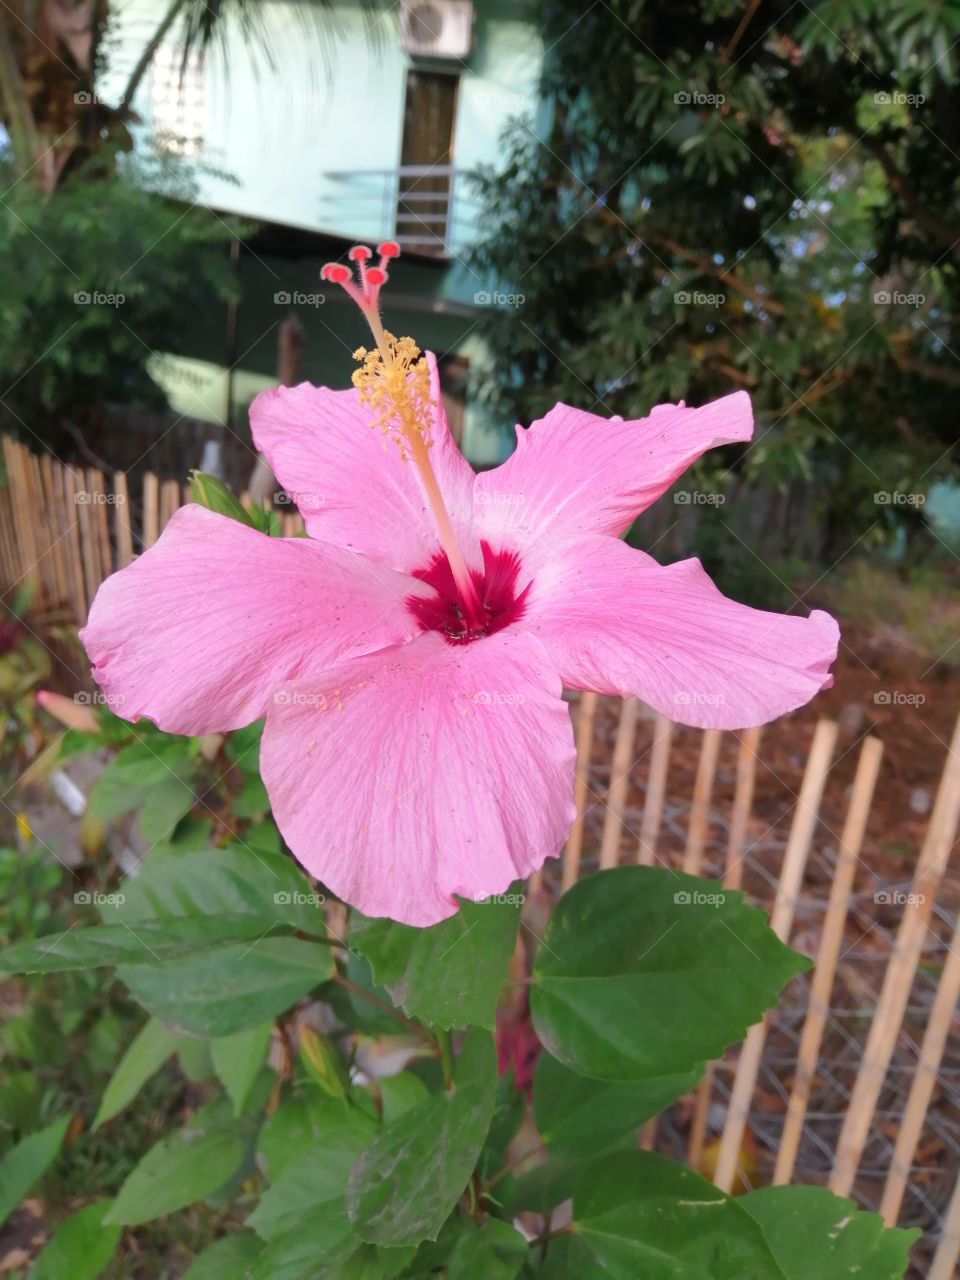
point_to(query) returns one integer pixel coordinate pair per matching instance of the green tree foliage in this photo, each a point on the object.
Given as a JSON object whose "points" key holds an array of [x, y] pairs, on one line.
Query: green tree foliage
{"points": [[740, 196], [96, 279]]}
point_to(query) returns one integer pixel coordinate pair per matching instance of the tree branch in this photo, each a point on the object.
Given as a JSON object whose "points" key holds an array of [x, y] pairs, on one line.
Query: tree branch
{"points": [[930, 223]]}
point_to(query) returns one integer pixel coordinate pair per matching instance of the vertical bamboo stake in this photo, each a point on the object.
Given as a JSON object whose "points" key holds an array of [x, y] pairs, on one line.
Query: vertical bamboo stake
{"points": [[656, 789], [700, 810], [781, 922], [6, 537], [42, 519], [101, 527], [89, 551], [151, 509], [585, 718], [851, 841], [619, 782], [935, 1036], [732, 879], [899, 976], [56, 524], [747, 756], [74, 546], [169, 501], [948, 1250], [25, 515], [123, 525]]}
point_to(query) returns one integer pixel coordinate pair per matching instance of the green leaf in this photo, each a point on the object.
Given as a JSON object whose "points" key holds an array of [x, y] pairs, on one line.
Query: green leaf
{"points": [[815, 1235], [294, 1256], [645, 973], [148, 942], [149, 1051], [195, 1058], [177, 1171], [308, 1191], [449, 975], [27, 1162], [369, 1263], [228, 1259], [541, 1187], [251, 801], [495, 1251], [401, 1093], [583, 1117], [236, 987], [80, 1247], [407, 1182], [294, 1127], [238, 1059], [263, 886], [209, 492], [637, 1214], [159, 772]]}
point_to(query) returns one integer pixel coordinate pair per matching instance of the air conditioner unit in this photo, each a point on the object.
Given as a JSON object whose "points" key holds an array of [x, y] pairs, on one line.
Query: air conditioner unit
{"points": [[436, 28]]}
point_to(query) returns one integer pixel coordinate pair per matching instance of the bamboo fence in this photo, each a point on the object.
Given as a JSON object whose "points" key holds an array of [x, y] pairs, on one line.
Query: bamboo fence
{"points": [[860, 1103]]}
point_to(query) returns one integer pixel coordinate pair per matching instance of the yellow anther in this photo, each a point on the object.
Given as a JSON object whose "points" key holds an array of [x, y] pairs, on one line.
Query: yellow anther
{"points": [[394, 383]]}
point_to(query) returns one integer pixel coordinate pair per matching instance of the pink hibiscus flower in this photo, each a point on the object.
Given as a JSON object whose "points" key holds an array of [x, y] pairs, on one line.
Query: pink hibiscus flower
{"points": [[409, 655]]}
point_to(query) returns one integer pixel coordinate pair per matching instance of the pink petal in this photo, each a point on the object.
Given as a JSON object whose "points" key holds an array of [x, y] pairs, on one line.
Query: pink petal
{"points": [[350, 483], [406, 777], [198, 632], [574, 472], [614, 621]]}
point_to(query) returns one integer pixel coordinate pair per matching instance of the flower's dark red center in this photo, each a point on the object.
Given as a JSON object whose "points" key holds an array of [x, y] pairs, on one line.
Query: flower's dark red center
{"points": [[500, 599]]}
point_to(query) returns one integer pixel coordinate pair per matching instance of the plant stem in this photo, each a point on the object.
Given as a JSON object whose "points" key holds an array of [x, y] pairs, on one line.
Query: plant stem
{"points": [[442, 1038], [355, 989]]}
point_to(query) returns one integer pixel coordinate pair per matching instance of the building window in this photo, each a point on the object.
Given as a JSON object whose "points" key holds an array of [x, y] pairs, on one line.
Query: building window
{"points": [[426, 160], [177, 98]]}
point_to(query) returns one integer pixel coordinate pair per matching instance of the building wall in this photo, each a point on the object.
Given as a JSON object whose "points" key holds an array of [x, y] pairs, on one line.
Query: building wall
{"points": [[328, 97], [332, 102]]}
